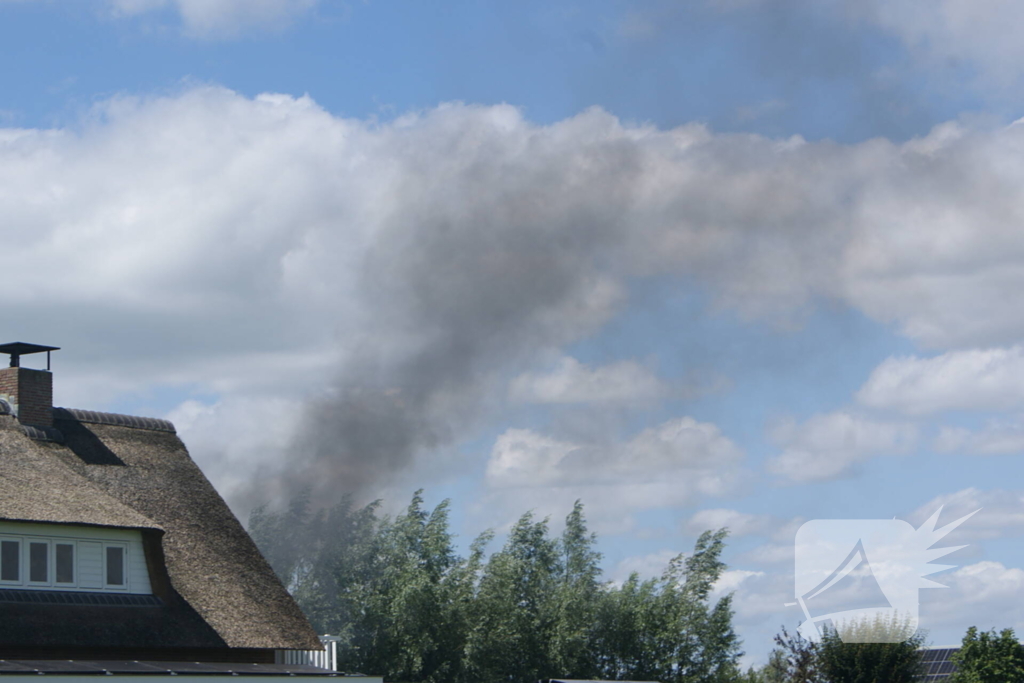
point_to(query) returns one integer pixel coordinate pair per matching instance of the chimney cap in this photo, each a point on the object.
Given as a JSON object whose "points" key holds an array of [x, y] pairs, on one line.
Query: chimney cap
{"points": [[17, 349], [22, 348]]}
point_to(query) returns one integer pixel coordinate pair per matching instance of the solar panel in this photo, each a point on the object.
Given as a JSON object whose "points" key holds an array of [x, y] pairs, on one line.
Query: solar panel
{"points": [[937, 664]]}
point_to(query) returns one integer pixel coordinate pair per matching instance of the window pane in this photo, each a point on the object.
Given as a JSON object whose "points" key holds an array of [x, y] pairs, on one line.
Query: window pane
{"points": [[65, 562], [10, 561], [115, 565], [38, 562]]}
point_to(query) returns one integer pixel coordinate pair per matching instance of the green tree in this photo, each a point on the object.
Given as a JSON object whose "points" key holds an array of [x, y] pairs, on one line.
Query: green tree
{"points": [[343, 562], [409, 608], [987, 657], [513, 614], [284, 538], [666, 629], [577, 597], [625, 641], [794, 660], [772, 672], [405, 628], [866, 662]]}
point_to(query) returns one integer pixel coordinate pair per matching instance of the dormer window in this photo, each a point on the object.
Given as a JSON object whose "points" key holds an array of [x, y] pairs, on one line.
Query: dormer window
{"points": [[69, 558]]}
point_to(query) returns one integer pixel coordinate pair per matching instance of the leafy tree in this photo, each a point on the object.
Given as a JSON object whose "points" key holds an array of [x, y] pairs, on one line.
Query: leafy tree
{"points": [[343, 561], [577, 599], [772, 672], [664, 629], [283, 538], [986, 657], [831, 660], [864, 662], [410, 592], [625, 639], [514, 615], [408, 607], [794, 660]]}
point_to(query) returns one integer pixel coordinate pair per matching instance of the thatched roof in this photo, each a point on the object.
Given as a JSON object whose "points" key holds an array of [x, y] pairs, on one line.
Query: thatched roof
{"points": [[220, 591]]}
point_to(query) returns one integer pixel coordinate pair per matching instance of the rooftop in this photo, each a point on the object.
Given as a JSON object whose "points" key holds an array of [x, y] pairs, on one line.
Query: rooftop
{"points": [[108, 470]]}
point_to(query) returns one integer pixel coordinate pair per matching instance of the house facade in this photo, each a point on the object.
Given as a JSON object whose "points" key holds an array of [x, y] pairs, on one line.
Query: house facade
{"points": [[115, 548]]}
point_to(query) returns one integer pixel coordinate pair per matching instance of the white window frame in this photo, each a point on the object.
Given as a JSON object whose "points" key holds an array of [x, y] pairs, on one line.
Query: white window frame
{"points": [[27, 562], [21, 561], [89, 548], [74, 563], [124, 566]]}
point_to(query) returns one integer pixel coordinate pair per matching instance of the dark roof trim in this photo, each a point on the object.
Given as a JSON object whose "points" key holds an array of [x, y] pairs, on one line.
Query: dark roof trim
{"points": [[115, 419], [65, 667], [37, 597]]}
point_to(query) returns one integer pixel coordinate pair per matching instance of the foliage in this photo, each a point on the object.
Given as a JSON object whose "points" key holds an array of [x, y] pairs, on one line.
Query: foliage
{"points": [[772, 672], [408, 607], [989, 658], [794, 660], [664, 629], [861, 662], [831, 660]]}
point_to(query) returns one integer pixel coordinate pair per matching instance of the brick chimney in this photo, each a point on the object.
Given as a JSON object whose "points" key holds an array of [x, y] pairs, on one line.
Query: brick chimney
{"points": [[29, 392]]}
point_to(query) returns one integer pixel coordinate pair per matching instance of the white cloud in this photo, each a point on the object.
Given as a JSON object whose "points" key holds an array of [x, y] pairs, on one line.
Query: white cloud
{"points": [[999, 513], [780, 549], [649, 566], [239, 438], [695, 454], [982, 32], [219, 18], [205, 239], [979, 37], [828, 446], [976, 379], [918, 258], [575, 382], [996, 437], [731, 580], [678, 462], [771, 554], [986, 594], [522, 457], [988, 581], [738, 523]]}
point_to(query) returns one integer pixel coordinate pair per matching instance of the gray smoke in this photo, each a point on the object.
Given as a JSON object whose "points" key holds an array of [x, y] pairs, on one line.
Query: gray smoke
{"points": [[240, 246], [492, 253], [501, 240]]}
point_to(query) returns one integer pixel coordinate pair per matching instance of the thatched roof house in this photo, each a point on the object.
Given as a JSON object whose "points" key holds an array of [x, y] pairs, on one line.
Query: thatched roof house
{"points": [[114, 546]]}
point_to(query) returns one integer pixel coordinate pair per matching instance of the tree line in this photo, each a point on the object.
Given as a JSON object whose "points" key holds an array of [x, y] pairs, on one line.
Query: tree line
{"points": [[983, 657], [407, 606]]}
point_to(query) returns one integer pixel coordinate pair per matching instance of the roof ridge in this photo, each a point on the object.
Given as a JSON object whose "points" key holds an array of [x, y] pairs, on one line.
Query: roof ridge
{"points": [[116, 419], [43, 433]]}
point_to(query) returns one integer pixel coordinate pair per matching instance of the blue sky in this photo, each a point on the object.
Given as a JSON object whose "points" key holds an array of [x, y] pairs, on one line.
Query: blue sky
{"points": [[721, 262]]}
